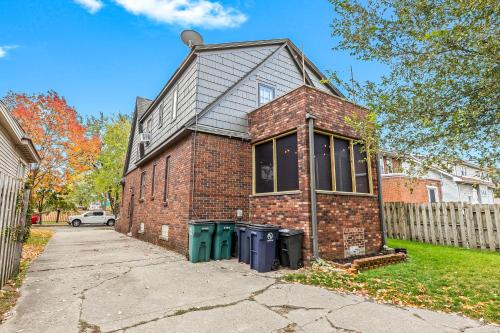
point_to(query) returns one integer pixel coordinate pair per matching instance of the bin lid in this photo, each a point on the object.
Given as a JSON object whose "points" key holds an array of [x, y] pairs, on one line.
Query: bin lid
{"points": [[269, 227], [290, 232], [222, 221], [201, 222]]}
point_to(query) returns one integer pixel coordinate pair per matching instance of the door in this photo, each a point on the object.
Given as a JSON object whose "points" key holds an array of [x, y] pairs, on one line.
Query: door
{"points": [[98, 218], [130, 211]]}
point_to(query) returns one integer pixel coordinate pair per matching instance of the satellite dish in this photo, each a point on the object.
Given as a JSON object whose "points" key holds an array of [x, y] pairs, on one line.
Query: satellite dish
{"points": [[191, 38]]}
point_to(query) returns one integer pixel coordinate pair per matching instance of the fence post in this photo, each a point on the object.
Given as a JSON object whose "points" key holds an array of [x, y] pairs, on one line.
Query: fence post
{"points": [[480, 229], [388, 220], [22, 224], [454, 227], [3, 208], [418, 224], [471, 228], [496, 216], [489, 227], [424, 221], [432, 226], [412, 221], [438, 222]]}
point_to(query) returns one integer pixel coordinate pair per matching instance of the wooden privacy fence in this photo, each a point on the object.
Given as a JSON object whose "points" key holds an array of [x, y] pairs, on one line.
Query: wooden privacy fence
{"points": [[473, 226], [54, 217], [13, 209]]}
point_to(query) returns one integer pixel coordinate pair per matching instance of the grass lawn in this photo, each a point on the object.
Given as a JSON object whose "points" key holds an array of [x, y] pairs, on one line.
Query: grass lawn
{"points": [[434, 277], [31, 249]]}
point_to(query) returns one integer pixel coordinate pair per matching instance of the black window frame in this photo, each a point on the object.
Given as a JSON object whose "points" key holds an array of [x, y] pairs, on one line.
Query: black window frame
{"points": [[274, 164], [142, 185], [166, 179], [153, 180]]}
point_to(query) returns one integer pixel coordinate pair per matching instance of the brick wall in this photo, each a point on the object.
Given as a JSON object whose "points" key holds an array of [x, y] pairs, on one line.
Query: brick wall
{"points": [[337, 213], [152, 211], [223, 177], [222, 171], [404, 189]]}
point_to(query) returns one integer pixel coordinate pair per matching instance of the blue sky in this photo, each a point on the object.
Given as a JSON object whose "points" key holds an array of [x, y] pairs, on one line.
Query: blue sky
{"points": [[101, 54]]}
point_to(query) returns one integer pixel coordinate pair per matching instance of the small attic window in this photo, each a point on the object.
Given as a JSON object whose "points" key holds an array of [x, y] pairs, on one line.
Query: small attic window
{"points": [[174, 106], [266, 94]]}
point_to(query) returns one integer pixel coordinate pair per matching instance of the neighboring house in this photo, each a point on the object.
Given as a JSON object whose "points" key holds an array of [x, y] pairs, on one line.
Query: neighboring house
{"points": [[466, 183], [17, 152], [227, 138], [16, 149]]}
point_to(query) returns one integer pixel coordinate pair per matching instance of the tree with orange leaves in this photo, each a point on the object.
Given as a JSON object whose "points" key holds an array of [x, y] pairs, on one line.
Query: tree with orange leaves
{"points": [[64, 146]]}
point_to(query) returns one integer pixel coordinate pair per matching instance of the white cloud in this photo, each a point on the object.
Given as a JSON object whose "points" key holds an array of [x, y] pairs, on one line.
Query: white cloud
{"points": [[4, 49], [201, 13], [93, 6]]}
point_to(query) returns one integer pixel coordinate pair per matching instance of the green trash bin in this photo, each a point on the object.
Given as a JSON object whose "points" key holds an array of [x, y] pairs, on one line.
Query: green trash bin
{"points": [[200, 240], [223, 238]]}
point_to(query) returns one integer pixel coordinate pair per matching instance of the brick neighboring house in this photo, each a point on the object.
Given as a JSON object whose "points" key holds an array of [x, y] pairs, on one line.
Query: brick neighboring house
{"points": [[227, 138], [465, 182]]}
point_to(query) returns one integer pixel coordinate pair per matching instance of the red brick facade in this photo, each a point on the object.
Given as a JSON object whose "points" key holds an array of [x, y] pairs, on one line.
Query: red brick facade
{"points": [[222, 171], [401, 188], [338, 213]]}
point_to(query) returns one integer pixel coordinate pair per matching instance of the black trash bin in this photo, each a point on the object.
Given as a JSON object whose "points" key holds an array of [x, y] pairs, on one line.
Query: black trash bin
{"points": [[263, 242], [242, 243], [290, 248]]}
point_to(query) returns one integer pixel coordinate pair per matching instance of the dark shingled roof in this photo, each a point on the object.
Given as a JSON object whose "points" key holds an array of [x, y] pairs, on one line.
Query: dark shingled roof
{"points": [[141, 105]]}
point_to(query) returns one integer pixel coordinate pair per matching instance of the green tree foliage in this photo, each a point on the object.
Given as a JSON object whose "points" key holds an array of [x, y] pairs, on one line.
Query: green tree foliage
{"points": [[440, 96], [110, 162]]}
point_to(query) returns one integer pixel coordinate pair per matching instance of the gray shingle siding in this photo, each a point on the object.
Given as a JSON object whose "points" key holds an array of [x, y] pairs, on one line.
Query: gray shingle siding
{"points": [[9, 157], [219, 70], [230, 114], [141, 106], [186, 104], [221, 87]]}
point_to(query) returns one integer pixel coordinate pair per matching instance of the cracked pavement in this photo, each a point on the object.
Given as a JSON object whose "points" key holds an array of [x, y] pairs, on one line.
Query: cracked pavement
{"points": [[97, 280]]}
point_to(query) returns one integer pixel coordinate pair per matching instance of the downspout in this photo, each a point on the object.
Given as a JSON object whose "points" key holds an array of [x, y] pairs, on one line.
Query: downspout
{"points": [[312, 180], [380, 202]]}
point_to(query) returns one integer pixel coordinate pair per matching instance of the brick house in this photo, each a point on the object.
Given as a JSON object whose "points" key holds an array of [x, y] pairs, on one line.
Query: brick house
{"points": [[403, 181], [228, 138]]}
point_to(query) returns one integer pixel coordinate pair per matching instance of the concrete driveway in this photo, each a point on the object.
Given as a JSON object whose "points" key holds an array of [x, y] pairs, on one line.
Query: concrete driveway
{"points": [[97, 280]]}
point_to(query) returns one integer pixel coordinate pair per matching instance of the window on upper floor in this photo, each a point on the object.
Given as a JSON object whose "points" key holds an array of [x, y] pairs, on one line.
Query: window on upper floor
{"points": [[432, 194], [174, 105], [276, 165], [149, 129], [462, 171], [266, 93], [390, 165], [160, 115], [341, 164]]}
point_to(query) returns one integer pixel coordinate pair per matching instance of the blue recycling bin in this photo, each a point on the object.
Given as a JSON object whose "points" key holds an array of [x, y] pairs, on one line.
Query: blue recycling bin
{"points": [[263, 240], [243, 244]]}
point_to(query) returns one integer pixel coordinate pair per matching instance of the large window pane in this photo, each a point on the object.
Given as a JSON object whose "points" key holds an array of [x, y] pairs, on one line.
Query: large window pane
{"points": [[287, 170], [361, 170], [323, 162], [264, 179], [343, 180]]}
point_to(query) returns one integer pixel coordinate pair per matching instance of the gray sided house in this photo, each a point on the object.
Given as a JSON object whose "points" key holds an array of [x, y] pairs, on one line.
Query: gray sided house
{"points": [[17, 152]]}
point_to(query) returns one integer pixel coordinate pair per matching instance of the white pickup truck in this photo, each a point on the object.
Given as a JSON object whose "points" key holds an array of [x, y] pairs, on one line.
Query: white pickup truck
{"points": [[92, 217]]}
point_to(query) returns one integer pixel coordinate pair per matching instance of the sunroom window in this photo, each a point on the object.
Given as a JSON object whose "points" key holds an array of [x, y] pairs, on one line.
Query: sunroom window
{"points": [[345, 159], [276, 165]]}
